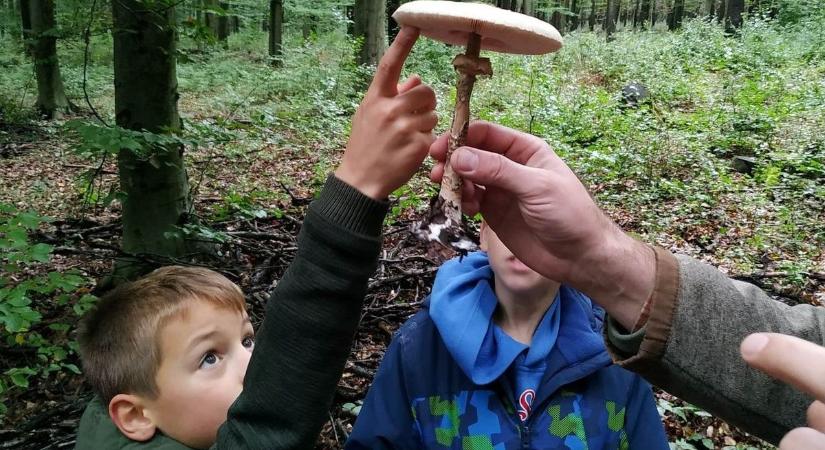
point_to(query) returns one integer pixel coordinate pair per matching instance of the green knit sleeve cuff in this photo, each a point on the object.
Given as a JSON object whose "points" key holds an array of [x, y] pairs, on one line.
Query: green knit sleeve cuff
{"points": [[627, 344], [346, 206]]}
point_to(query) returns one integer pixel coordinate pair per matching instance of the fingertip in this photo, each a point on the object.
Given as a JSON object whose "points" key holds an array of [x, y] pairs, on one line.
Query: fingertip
{"points": [[438, 149], [816, 416], [802, 438], [464, 160], [753, 345], [437, 172], [407, 33]]}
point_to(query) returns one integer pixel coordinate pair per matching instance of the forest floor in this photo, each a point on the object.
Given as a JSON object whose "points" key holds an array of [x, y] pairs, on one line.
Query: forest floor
{"points": [[266, 140]]}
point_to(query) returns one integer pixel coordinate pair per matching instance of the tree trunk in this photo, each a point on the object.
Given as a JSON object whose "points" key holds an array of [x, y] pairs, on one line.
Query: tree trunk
{"points": [[555, 19], [610, 18], [529, 7], [720, 11], [644, 13], [675, 18], [308, 26], [224, 24], [574, 20], [564, 4], [626, 16], [392, 26], [591, 21], [708, 8], [276, 31], [156, 187], [733, 15], [654, 16], [370, 16], [211, 19], [636, 14], [26, 26], [42, 35]]}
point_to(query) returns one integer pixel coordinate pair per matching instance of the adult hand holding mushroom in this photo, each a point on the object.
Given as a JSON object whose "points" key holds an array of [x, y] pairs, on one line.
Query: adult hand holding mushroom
{"points": [[546, 217], [479, 27]]}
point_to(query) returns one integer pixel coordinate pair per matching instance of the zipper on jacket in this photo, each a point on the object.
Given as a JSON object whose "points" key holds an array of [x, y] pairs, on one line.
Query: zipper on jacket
{"points": [[522, 427], [525, 436]]}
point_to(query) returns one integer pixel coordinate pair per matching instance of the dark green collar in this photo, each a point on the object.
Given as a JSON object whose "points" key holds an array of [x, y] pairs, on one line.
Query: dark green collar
{"points": [[97, 432]]}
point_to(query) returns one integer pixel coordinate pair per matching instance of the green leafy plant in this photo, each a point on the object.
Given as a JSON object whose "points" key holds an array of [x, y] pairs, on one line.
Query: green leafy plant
{"points": [[22, 281]]}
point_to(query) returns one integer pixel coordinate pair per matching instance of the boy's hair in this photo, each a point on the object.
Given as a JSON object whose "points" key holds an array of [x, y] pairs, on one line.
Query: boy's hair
{"points": [[119, 339]]}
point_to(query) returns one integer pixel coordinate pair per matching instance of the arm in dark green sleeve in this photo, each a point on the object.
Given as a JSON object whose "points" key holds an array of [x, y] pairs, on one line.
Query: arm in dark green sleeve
{"points": [[310, 323]]}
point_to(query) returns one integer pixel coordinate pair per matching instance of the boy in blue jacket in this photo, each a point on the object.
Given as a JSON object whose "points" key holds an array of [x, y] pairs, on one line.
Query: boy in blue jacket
{"points": [[503, 358]]}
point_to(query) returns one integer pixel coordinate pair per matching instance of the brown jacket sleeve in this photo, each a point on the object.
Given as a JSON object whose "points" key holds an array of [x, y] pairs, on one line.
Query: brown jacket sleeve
{"points": [[690, 345]]}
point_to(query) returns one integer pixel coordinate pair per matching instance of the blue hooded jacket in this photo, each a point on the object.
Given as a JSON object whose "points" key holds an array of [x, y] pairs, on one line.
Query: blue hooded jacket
{"points": [[450, 378]]}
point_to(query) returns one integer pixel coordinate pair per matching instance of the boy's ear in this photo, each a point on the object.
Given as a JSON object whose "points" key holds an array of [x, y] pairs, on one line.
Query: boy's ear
{"points": [[129, 416]]}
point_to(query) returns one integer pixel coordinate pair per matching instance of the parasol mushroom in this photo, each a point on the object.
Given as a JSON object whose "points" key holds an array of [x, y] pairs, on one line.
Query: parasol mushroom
{"points": [[479, 27]]}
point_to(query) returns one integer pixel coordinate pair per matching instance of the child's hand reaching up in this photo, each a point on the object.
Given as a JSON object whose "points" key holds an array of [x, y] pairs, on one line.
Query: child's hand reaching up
{"points": [[392, 128]]}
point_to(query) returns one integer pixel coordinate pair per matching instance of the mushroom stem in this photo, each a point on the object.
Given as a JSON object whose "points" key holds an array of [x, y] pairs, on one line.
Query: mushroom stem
{"points": [[451, 182], [444, 222]]}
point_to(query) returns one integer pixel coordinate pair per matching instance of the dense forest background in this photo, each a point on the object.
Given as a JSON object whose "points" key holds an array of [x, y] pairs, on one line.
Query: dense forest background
{"points": [[697, 124]]}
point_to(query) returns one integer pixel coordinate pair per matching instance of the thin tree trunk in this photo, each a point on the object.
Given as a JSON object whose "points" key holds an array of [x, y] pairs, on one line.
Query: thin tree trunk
{"points": [[529, 7], [51, 96], [675, 18], [211, 17], [708, 8], [574, 20], [224, 24], [610, 19], [392, 26], [636, 14], [591, 22], [308, 26], [654, 14], [733, 15], [26, 26], [370, 26], [720, 11], [644, 13], [276, 31], [350, 12], [157, 190], [555, 19], [564, 4]]}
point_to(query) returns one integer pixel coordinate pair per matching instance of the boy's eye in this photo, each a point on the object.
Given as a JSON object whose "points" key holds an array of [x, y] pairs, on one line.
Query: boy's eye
{"points": [[208, 360], [248, 341]]}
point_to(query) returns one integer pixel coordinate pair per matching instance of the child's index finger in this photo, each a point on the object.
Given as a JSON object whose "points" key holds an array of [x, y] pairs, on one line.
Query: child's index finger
{"points": [[388, 72]]}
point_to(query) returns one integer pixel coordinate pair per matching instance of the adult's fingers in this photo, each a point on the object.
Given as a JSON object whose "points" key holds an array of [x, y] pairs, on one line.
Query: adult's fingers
{"points": [[493, 170], [803, 439], [385, 81], [471, 196], [418, 99], [816, 416], [787, 358], [437, 172], [424, 121], [517, 146], [409, 83]]}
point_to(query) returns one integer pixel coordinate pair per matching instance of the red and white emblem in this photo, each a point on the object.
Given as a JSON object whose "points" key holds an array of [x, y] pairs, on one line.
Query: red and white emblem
{"points": [[525, 402]]}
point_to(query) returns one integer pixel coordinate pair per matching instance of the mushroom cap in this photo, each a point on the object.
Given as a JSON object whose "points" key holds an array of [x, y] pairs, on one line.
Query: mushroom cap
{"points": [[500, 30]]}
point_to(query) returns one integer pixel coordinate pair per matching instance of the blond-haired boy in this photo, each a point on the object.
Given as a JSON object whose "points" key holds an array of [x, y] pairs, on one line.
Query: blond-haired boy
{"points": [[168, 353], [183, 385]]}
